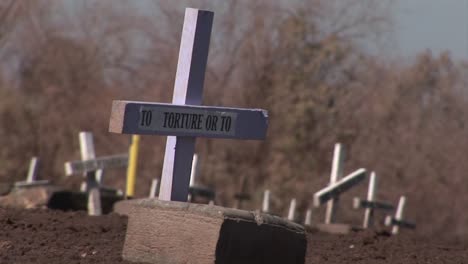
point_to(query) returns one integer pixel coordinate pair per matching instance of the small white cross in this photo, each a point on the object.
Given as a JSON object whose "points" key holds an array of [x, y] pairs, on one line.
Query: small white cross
{"points": [[371, 204], [398, 221]]}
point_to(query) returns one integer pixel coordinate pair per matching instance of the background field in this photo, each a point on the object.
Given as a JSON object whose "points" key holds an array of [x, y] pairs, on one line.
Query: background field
{"points": [[62, 65]]}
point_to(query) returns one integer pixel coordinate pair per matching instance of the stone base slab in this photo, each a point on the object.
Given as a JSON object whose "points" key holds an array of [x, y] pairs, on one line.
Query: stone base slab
{"points": [[174, 232]]}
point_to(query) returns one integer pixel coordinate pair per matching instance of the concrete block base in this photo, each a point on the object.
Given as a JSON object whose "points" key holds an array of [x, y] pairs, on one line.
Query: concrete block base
{"points": [[174, 232]]}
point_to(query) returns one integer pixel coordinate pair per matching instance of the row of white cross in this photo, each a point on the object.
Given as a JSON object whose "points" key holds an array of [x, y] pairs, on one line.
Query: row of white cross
{"points": [[93, 168], [89, 165], [184, 120], [338, 185]]}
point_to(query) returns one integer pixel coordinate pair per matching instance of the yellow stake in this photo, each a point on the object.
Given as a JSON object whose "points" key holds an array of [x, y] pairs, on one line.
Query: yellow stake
{"points": [[132, 166]]}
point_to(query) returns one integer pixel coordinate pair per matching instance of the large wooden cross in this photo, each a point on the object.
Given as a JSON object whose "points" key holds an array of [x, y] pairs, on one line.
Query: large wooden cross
{"points": [[337, 186], [184, 119]]}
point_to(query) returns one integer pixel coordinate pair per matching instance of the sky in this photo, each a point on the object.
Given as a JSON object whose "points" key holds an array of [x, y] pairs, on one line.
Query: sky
{"points": [[437, 25]]}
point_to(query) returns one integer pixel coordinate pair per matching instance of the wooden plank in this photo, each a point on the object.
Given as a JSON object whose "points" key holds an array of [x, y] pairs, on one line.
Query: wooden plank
{"points": [[154, 188], [32, 175], [132, 166], [31, 184], [32, 172], [398, 221], [93, 179], [308, 218], [175, 179], [335, 190], [188, 89], [335, 176], [242, 195], [194, 172], [399, 213], [391, 221], [359, 203], [94, 202], [84, 166], [369, 212], [201, 191], [266, 201], [292, 210], [144, 118]]}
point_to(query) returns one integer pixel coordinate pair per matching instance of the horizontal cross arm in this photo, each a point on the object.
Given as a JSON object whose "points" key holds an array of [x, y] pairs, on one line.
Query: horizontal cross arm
{"points": [[142, 118], [242, 196], [392, 221], [80, 166], [202, 191], [359, 203], [31, 184], [341, 186]]}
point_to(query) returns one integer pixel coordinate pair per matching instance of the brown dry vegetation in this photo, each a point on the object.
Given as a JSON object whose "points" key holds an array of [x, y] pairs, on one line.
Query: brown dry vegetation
{"points": [[64, 63]]}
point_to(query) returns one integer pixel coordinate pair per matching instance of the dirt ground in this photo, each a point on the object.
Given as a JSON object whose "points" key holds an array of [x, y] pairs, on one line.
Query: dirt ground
{"points": [[44, 236], [368, 247]]}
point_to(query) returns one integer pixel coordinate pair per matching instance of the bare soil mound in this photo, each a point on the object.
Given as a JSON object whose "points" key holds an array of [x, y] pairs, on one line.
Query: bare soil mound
{"points": [[46, 236], [371, 247]]}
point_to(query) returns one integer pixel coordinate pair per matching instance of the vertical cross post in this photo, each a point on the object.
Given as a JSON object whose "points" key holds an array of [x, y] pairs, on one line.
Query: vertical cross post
{"points": [[242, 195], [188, 89], [371, 204], [32, 172], [194, 172], [94, 202], [83, 187], [93, 178], [336, 174], [193, 175], [369, 212], [132, 166], [266, 201], [292, 210], [154, 188], [399, 214], [308, 218], [398, 221]]}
